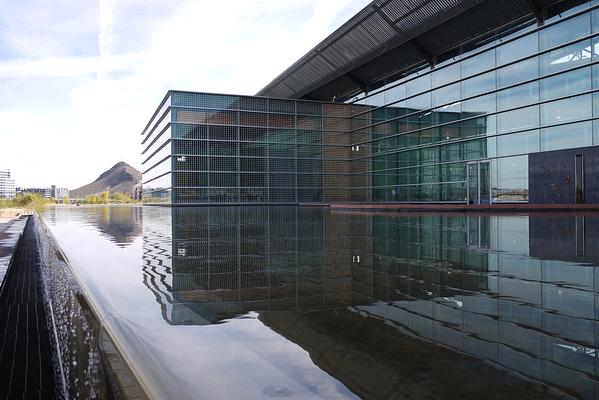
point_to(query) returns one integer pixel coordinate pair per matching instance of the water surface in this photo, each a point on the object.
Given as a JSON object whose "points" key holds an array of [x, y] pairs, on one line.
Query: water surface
{"points": [[290, 302]]}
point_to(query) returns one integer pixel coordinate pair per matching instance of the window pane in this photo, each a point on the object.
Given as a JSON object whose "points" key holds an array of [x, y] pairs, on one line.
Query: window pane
{"points": [[518, 96], [595, 18], [566, 57], [376, 100], [478, 105], [522, 118], [595, 76], [395, 94], [570, 109], [447, 113], [478, 126], [396, 110], [569, 83], [448, 94], [519, 72], [419, 85], [567, 136], [446, 75], [517, 49], [478, 63], [518, 143], [479, 84], [512, 179], [422, 102], [566, 31]]}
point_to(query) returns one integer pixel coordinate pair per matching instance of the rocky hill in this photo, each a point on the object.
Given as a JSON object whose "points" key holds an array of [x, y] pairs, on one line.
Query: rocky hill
{"points": [[120, 178]]}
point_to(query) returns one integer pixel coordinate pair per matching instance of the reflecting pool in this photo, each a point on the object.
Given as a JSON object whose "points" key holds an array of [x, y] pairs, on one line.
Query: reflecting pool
{"points": [[301, 302]]}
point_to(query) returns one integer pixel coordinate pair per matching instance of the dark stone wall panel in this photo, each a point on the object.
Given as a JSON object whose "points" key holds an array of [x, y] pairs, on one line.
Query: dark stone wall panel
{"points": [[551, 177]]}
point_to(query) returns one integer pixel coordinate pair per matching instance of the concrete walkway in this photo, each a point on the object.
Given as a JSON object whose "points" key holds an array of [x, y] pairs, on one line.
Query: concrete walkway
{"points": [[26, 370], [10, 231]]}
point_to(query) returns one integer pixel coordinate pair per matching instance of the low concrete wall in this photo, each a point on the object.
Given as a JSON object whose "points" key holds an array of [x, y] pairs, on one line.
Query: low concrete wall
{"points": [[90, 364]]}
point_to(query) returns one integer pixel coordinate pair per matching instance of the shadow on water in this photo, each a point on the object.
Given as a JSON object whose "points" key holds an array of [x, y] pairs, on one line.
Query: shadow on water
{"points": [[426, 306]]}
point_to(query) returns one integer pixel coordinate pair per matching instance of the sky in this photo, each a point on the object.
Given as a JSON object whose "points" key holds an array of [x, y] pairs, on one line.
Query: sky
{"points": [[80, 79]]}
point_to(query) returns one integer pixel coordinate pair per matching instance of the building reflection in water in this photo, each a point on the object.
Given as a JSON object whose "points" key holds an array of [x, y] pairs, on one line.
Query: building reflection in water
{"points": [[378, 299]]}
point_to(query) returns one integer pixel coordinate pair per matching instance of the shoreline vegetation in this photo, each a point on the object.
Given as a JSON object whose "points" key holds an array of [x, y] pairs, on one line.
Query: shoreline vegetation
{"points": [[33, 201], [24, 201], [106, 198]]}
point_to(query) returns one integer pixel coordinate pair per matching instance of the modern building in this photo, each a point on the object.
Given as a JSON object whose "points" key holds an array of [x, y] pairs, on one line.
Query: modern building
{"points": [[7, 185], [41, 191], [58, 193], [465, 101]]}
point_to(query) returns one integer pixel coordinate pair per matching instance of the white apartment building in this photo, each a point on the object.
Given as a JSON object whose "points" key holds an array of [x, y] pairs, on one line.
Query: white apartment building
{"points": [[7, 185]]}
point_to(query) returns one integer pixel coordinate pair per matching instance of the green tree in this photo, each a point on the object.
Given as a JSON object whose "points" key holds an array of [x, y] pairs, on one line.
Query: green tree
{"points": [[29, 200], [104, 196], [120, 197], [66, 200], [91, 199]]}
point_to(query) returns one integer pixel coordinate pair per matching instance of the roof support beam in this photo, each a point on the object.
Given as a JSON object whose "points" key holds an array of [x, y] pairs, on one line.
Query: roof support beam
{"points": [[536, 10], [357, 81], [415, 45], [430, 59]]}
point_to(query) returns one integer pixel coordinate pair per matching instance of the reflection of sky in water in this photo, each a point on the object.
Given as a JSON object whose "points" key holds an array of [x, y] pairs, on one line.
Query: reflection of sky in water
{"points": [[263, 302]]}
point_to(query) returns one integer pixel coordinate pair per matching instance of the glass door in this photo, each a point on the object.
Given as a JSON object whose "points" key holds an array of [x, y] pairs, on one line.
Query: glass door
{"points": [[479, 182]]}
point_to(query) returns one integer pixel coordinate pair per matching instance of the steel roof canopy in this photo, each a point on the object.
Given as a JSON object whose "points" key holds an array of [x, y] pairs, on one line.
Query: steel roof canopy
{"points": [[389, 37]]}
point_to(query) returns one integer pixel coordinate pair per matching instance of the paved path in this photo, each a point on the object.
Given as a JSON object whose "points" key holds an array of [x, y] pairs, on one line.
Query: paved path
{"points": [[10, 231], [26, 370]]}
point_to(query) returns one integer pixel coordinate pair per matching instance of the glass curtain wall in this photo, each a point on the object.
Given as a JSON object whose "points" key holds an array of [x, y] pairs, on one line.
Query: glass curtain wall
{"points": [[462, 132], [236, 149], [156, 155]]}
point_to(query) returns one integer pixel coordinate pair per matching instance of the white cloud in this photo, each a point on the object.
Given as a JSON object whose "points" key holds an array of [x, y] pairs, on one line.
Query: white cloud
{"points": [[106, 35], [140, 50]]}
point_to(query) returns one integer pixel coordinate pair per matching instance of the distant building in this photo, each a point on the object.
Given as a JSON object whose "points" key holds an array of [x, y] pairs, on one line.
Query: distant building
{"points": [[43, 192], [58, 193], [7, 185], [52, 192]]}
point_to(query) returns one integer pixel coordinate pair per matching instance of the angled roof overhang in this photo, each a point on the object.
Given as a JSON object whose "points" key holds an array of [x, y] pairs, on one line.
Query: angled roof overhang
{"points": [[389, 37]]}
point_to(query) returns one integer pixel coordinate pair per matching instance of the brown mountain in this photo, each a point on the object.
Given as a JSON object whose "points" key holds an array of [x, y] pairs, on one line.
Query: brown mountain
{"points": [[120, 178]]}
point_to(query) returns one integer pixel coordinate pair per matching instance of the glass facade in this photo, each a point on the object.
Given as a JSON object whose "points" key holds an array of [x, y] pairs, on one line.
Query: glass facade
{"points": [[422, 138], [213, 148], [458, 132]]}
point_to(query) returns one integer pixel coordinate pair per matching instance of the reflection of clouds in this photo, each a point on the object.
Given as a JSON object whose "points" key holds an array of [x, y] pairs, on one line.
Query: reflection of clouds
{"points": [[236, 360]]}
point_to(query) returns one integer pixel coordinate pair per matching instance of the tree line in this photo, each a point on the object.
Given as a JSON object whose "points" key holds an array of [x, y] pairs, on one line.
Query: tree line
{"points": [[106, 198], [34, 200]]}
